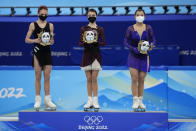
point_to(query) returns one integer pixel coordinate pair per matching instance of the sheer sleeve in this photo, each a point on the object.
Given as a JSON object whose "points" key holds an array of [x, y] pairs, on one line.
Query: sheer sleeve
{"points": [[127, 41], [102, 37], [151, 35], [81, 42]]}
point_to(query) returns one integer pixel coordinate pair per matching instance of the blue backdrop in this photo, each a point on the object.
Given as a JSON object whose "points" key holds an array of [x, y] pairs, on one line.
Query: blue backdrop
{"points": [[174, 34]]}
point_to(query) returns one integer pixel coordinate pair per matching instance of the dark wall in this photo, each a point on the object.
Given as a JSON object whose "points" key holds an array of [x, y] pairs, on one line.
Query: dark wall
{"points": [[175, 36]]}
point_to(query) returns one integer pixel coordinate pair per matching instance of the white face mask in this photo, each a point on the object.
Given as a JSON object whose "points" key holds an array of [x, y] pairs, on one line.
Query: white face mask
{"points": [[140, 19]]}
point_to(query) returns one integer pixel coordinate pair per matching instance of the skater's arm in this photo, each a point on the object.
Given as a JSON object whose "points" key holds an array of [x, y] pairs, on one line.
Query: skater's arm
{"points": [[51, 33], [102, 37], [29, 33], [152, 36], [127, 41], [81, 42]]}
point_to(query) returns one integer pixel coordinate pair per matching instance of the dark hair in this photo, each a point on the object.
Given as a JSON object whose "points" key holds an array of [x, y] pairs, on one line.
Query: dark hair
{"points": [[42, 7], [140, 9], [92, 10]]}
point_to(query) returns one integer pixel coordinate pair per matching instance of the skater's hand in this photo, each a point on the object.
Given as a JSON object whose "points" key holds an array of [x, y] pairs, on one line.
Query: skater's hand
{"points": [[135, 50], [38, 40], [51, 41]]}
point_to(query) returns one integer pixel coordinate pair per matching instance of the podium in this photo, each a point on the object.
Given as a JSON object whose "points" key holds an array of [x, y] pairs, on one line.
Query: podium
{"points": [[102, 121]]}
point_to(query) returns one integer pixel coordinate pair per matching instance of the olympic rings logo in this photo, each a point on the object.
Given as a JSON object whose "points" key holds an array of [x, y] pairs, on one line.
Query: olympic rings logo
{"points": [[93, 119]]}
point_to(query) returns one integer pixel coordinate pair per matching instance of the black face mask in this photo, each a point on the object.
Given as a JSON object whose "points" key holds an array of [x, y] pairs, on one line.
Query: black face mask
{"points": [[43, 17], [92, 19]]}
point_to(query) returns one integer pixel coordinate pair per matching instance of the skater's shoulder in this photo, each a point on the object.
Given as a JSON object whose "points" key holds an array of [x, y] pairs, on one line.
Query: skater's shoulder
{"points": [[100, 28], [130, 28], [148, 26], [85, 27], [31, 26]]}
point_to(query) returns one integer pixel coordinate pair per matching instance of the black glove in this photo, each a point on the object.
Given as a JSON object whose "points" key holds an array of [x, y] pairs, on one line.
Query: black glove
{"points": [[135, 50]]}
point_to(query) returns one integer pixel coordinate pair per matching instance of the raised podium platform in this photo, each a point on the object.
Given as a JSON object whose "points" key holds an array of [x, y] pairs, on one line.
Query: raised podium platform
{"points": [[106, 121]]}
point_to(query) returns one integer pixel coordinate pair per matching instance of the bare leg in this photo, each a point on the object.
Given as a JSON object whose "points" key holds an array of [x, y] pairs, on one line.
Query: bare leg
{"points": [[89, 82], [141, 79], [38, 73], [134, 81], [47, 71], [94, 82]]}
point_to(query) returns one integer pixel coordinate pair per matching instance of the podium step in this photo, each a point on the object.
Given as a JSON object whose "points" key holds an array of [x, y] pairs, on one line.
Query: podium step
{"points": [[106, 121]]}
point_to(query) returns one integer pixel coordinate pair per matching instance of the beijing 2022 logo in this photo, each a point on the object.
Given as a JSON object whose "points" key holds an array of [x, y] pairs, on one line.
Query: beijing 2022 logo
{"points": [[93, 123]]}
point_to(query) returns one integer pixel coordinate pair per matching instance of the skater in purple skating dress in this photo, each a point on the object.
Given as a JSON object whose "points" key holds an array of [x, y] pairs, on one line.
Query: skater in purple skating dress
{"points": [[138, 61]]}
